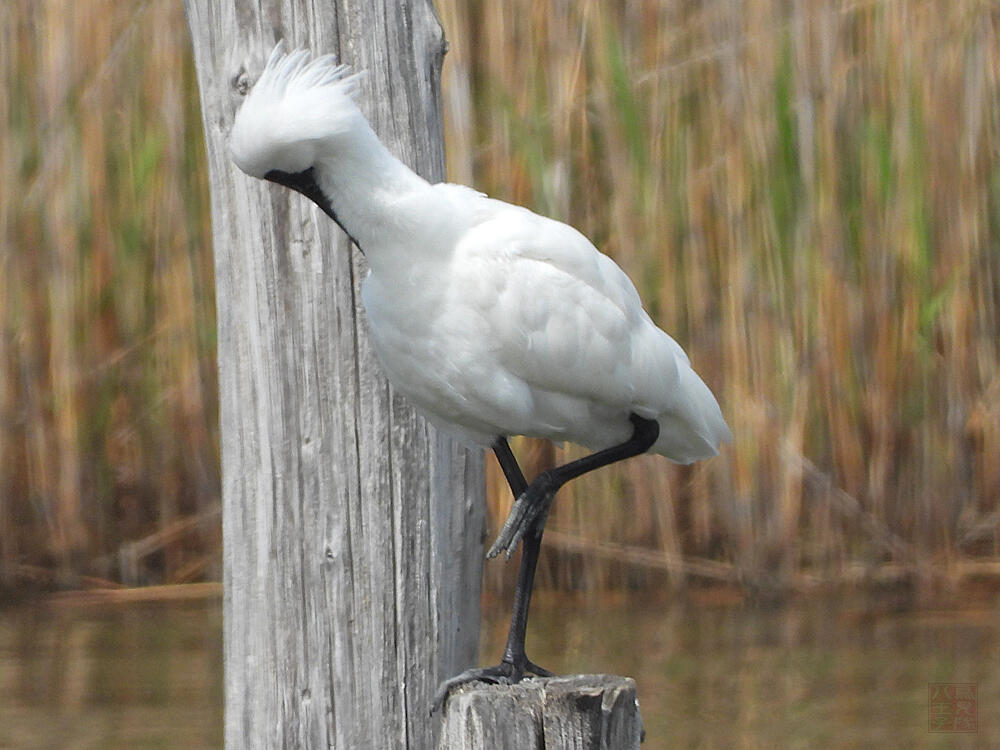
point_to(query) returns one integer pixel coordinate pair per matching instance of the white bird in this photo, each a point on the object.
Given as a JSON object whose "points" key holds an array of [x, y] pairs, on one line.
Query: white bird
{"points": [[492, 320]]}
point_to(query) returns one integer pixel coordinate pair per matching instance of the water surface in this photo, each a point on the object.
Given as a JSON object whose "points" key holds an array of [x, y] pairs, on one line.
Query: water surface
{"points": [[824, 673], [111, 676]]}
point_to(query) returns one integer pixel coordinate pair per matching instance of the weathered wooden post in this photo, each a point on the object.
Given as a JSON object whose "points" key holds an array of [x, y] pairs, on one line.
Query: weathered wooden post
{"points": [[352, 552], [578, 712]]}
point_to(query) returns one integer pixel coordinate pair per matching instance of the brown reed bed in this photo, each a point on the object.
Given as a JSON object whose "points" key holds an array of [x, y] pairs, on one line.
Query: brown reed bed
{"points": [[108, 394], [807, 195]]}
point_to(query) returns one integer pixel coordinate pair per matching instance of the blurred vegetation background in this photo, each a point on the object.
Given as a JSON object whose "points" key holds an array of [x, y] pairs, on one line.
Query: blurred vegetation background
{"points": [[807, 196]]}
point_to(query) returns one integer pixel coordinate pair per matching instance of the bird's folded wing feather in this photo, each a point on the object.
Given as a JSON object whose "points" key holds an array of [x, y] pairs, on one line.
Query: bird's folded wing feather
{"points": [[563, 317]]}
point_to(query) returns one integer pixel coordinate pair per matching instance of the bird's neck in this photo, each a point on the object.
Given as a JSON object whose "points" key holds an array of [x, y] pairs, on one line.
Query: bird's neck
{"points": [[369, 189]]}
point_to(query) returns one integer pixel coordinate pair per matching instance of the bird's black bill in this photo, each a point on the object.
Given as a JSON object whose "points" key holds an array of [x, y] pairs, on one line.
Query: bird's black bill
{"points": [[305, 182]]}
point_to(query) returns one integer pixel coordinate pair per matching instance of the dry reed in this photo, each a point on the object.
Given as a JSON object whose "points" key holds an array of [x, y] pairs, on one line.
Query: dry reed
{"points": [[807, 195], [107, 400]]}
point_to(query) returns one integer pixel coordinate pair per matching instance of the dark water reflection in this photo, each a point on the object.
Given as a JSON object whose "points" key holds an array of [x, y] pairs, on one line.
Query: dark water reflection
{"points": [[819, 674]]}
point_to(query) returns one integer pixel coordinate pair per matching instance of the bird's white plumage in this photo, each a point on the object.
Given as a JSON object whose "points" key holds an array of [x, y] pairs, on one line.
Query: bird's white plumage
{"points": [[492, 319]]}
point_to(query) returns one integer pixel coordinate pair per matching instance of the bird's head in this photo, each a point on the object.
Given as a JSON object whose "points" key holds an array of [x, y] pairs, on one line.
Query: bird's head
{"points": [[295, 110]]}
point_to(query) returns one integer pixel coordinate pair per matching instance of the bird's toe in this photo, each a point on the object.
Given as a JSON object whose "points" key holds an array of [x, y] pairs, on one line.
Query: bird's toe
{"points": [[507, 672], [502, 674], [532, 505]]}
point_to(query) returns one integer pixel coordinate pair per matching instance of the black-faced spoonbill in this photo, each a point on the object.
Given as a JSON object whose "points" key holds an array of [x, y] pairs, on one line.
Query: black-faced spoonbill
{"points": [[493, 321]]}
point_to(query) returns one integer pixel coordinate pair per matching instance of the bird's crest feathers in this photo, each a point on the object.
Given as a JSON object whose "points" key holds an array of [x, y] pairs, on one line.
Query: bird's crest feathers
{"points": [[294, 106]]}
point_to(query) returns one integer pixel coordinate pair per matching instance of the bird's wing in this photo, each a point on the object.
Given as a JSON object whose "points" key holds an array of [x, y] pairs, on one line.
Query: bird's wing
{"points": [[562, 317]]}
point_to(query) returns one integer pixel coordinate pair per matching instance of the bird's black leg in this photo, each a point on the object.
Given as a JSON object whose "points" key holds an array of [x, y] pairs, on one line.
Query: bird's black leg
{"points": [[514, 651], [535, 500], [530, 512], [515, 661]]}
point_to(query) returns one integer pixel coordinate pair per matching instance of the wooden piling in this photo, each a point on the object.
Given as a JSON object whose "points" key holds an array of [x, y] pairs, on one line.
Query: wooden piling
{"points": [[352, 552], [582, 712]]}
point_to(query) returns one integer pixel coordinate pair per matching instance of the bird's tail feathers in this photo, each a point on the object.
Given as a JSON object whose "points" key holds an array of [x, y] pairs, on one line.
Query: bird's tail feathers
{"points": [[691, 423], [694, 427]]}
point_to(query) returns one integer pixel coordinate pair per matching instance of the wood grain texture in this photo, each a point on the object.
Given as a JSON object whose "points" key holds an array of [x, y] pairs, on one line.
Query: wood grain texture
{"points": [[352, 530], [581, 712]]}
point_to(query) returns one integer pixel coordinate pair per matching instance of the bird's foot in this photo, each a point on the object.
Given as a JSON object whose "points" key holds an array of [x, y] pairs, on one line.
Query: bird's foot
{"points": [[504, 673], [533, 503]]}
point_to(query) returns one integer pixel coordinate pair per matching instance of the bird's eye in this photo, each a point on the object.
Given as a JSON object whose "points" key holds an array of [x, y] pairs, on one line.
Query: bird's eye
{"points": [[241, 82]]}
